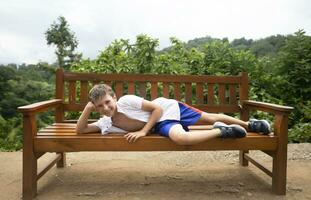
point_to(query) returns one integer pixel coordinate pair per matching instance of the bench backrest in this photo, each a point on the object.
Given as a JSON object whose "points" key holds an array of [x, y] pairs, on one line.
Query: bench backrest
{"points": [[208, 93]]}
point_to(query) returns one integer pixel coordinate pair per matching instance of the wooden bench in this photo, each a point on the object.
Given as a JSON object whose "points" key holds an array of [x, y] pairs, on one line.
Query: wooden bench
{"points": [[220, 94]]}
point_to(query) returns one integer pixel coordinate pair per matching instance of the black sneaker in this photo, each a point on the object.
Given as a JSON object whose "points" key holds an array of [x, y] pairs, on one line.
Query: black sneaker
{"points": [[230, 131], [259, 126]]}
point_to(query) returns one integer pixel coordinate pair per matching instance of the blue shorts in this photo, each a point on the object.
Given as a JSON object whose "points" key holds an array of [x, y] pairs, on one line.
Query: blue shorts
{"points": [[188, 116]]}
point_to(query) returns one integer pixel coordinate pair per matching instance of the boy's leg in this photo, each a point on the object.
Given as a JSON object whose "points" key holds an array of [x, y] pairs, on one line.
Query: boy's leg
{"points": [[254, 125], [211, 118], [180, 136]]}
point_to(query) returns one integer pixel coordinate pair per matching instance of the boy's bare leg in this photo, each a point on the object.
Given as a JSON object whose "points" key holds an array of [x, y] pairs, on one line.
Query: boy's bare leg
{"points": [[180, 136], [211, 118]]}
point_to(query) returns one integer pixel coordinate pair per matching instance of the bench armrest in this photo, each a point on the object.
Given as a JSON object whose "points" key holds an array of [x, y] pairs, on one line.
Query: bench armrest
{"points": [[266, 107], [280, 118], [40, 106]]}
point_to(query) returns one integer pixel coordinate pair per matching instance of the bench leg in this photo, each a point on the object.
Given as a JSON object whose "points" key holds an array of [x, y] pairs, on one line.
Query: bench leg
{"points": [[280, 156], [29, 175], [29, 159], [279, 173], [62, 162], [243, 161]]}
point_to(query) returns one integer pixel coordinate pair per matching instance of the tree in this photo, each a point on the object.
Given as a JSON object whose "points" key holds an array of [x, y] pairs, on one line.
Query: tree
{"points": [[63, 38], [241, 44], [295, 67]]}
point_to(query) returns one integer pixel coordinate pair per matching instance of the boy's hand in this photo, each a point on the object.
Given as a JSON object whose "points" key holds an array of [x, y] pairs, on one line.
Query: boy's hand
{"points": [[133, 136], [90, 106]]}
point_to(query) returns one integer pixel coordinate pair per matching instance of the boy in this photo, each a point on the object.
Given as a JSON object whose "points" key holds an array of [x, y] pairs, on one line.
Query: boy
{"points": [[170, 118]]}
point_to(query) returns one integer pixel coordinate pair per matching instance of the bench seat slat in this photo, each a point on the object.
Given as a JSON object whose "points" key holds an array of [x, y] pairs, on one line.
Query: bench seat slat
{"points": [[149, 143]]}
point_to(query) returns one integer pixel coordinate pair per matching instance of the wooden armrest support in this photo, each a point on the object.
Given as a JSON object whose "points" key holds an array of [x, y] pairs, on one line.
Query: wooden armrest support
{"points": [[267, 107], [40, 106]]}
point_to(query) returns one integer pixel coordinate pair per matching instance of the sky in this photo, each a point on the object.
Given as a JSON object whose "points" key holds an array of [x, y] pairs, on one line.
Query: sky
{"points": [[97, 23]]}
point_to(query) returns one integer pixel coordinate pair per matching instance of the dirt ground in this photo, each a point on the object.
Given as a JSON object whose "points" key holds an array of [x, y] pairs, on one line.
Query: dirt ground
{"points": [[159, 175]]}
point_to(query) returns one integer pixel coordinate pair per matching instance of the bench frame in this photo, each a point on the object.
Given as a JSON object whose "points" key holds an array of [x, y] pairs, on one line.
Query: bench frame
{"points": [[229, 100]]}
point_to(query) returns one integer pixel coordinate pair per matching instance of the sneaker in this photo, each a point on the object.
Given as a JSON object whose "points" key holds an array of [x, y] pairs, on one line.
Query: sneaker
{"points": [[230, 131], [259, 126]]}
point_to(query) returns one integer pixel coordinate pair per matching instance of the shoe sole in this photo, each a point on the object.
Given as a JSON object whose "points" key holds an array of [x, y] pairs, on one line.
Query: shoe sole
{"points": [[266, 122]]}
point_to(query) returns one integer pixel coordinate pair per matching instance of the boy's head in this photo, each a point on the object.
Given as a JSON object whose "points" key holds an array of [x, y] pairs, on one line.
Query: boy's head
{"points": [[104, 99], [99, 91]]}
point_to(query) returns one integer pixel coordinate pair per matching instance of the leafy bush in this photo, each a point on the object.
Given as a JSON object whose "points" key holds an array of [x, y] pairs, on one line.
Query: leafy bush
{"points": [[300, 133]]}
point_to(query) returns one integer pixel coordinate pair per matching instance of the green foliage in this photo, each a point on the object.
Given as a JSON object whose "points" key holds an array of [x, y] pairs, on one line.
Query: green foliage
{"points": [[10, 134], [60, 35], [174, 61], [295, 66], [18, 90], [269, 46], [300, 133], [122, 57], [241, 44], [221, 59]]}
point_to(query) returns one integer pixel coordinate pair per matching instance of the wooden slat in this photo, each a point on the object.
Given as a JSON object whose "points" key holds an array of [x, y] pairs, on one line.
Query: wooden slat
{"points": [[232, 94], [131, 87], [218, 108], [254, 162], [59, 127], [108, 83], [72, 92], [64, 124], [210, 94], [154, 90], [48, 166], [166, 90], [142, 89], [73, 107], [159, 78], [221, 94], [95, 83], [84, 92], [41, 106], [148, 143], [266, 107], [119, 89], [59, 130], [270, 153], [244, 87], [59, 93], [199, 93], [59, 83], [177, 91], [188, 93]]}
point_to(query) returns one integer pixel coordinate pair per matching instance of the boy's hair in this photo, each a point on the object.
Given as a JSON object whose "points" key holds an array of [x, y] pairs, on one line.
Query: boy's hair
{"points": [[99, 91]]}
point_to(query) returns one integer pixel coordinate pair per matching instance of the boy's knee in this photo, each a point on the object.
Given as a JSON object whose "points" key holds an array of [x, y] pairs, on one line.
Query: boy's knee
{"points": [[181, 138]]}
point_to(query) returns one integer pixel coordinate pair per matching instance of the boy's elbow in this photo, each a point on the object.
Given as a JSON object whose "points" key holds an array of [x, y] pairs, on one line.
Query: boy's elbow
{"points": [[79, 130]]}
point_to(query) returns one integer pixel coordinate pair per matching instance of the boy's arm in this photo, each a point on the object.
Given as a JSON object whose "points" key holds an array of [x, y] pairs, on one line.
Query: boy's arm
{"points": [[82, 124], [156, 113]]}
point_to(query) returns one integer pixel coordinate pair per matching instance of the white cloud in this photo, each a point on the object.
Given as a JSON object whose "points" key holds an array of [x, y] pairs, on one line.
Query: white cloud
{"points": [[97, 23]]}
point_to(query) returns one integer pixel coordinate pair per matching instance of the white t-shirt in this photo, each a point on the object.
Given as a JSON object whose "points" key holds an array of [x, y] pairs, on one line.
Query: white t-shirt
{"points": [[130, 105]]}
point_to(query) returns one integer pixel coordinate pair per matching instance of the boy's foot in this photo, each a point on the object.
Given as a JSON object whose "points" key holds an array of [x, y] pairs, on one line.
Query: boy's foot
{"points": [[259, 126], [230, 131]]}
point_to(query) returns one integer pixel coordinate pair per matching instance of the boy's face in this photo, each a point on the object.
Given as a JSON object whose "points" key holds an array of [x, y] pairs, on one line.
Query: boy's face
{"points": [[106, 105]]}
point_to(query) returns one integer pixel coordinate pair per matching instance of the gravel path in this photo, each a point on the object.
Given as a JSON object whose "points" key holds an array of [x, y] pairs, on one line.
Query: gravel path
{"points": [[159, 175]]}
